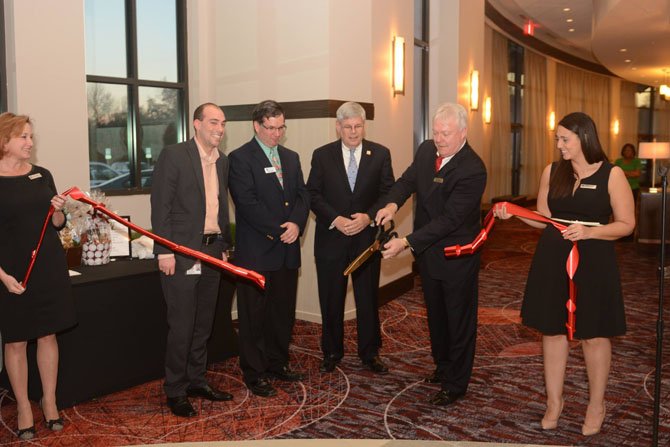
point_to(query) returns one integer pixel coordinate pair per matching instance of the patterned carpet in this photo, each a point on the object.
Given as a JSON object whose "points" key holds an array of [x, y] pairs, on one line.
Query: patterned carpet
{"points": [[504, 403]]}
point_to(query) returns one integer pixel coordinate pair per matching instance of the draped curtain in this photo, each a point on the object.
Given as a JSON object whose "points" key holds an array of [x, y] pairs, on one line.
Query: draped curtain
{"points": [[581, 91], [500, 166], [534, 143]]}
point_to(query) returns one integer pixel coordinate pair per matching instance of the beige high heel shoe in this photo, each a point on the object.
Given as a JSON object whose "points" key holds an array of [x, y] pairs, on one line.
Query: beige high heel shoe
{"points": [[590, 430], [551, 424]]}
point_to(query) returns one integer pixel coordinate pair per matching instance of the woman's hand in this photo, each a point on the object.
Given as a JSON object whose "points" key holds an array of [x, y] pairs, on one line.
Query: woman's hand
{"points": [[58, 202], [500, 211], [577, 232], [12, 284]]}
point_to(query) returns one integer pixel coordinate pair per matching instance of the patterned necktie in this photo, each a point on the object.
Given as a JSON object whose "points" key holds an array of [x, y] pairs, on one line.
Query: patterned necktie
{"points": [[352, 169], [438, 163], [277, 166]]}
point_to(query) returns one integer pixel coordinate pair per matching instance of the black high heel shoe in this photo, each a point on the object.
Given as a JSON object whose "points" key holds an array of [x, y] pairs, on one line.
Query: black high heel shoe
{"points": [[52, 424], [26, 434]]}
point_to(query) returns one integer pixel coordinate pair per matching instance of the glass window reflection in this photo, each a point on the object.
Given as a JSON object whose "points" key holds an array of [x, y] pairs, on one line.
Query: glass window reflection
{"points": [[105, 22]]}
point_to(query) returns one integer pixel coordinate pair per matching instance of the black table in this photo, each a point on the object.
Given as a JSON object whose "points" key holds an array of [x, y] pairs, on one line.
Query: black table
{"points": [[119, 341]]}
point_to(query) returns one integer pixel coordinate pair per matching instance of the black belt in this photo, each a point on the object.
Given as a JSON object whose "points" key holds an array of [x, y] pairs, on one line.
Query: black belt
{"points": [[210, 238]]}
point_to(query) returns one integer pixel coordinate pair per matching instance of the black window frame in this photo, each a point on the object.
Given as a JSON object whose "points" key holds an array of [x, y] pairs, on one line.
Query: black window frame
{"points": [[134, 83]]}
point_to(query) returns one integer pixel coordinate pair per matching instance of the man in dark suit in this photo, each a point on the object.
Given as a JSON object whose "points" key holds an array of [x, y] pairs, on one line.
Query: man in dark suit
{"points": [[448, 178], [271, 209], [189, 206], [348, 179]]}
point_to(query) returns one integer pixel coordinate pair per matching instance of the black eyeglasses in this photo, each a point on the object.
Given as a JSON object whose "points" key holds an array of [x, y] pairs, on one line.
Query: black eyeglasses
{"points": [[280, 129]]}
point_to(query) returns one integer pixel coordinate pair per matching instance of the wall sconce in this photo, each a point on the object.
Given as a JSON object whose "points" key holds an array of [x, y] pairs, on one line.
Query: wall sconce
{"points": [[398, 81], [616, 127], [487, 110], [552, 120], [474, 90], [653, 151], [664, 90]]}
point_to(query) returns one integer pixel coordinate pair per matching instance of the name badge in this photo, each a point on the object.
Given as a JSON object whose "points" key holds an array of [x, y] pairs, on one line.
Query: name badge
{"points": [[34, 176], [438, 180], [270, 170], [587, 186], [196, 269]]}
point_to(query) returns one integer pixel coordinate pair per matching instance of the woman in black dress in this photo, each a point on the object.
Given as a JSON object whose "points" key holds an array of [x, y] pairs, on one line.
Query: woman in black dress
{"points": [[581, 187], [45, 306]]}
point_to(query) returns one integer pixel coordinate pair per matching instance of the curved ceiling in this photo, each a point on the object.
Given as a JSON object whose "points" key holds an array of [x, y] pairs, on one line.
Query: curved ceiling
{"points": [[631, 38]]}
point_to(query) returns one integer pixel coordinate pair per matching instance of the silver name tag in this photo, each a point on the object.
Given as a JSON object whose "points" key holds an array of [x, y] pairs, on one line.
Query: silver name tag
{"points": [[34, 176], [438, 180], [588, 186]]}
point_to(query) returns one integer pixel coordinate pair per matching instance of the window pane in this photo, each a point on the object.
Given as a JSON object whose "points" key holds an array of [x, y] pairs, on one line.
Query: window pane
{"points": [[105, 38], [157, 40], [160, 125], [107, 136]]}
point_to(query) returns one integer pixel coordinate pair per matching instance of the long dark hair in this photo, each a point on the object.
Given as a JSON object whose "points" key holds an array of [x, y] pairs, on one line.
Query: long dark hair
{"points": [[562, 180]]}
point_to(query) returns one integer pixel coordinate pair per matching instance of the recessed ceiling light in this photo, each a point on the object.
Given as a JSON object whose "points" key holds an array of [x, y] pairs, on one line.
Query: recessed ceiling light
{"points": [[566, 9], [569, 20], [627, 61], [572, 30], [623, 50]]}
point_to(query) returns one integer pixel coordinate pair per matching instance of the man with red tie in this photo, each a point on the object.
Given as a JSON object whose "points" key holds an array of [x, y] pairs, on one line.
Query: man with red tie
{"points": [[448, 178]]}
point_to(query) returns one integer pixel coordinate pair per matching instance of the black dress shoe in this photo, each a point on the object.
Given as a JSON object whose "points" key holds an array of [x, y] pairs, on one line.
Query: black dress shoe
{"points": [[26, 434], [262, 387], [445, 397], [376, 365], [209, 393], [180, 406], [328, 364], [435, 377], [286, 374]]}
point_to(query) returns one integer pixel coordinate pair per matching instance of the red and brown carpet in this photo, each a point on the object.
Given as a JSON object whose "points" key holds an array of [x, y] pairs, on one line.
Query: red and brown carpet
{"points": [[504, 404]]}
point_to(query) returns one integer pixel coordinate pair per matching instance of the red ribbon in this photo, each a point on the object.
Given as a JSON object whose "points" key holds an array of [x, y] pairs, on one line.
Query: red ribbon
{"points": [[77, 194], [571, 263]]}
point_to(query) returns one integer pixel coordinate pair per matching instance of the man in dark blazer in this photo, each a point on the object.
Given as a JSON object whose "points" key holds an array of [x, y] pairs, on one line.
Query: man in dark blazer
{"points": [[343, 231], [448, 178], [189, 206], [271, 209]]}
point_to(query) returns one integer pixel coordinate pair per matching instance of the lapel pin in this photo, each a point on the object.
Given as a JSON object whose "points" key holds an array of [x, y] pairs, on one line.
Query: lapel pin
{"points": [[368, 153]]}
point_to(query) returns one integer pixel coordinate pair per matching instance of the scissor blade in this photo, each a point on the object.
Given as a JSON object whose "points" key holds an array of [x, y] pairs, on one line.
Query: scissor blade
{"points": [[362, 258]]}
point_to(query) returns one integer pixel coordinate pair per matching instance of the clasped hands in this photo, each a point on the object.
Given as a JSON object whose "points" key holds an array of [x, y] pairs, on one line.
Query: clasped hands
{"points": [[353, 226]]}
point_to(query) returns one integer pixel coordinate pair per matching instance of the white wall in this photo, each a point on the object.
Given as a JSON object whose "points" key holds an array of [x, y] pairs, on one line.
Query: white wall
{"points": [[46, 80], [457, 40]]}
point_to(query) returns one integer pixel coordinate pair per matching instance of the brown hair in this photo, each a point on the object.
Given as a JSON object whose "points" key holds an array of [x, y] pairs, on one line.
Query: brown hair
{"points": [[11, 125], [563, 178]]}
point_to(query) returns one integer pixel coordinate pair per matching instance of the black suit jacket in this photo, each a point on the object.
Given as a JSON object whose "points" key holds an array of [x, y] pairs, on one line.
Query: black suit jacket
{"points": [[447, 205], [331, 195], [262, 205], [178, 199]]}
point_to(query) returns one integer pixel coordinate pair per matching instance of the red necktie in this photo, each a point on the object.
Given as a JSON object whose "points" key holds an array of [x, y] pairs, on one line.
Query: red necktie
{"points": [[438, 162]]}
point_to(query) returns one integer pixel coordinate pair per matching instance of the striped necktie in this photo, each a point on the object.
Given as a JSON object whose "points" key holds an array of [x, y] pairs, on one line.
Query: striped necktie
{"points": [[275, 162], [352, 169]]}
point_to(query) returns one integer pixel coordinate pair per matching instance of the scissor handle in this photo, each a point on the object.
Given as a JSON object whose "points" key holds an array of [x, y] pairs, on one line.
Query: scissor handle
{"points": [[383, 233]]}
